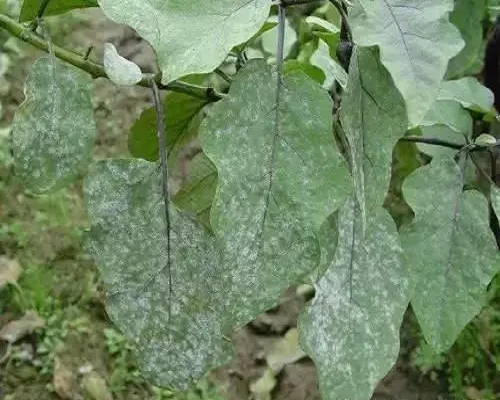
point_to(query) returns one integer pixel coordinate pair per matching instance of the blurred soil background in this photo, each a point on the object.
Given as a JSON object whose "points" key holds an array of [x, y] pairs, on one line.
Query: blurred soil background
{"points": [[56, 341]]}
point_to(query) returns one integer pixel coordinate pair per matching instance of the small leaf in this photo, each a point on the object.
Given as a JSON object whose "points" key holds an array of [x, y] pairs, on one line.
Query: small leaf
{"points": [[30, 8], [468, 92], [16, 330], [120, 70], [450, 251], [485, 139], [9, 271], [270, 38], [333, 71], [416, 42], [328, 26], [215, 27], [351, 328], [290, 66], [285, 351], [54, 129]]}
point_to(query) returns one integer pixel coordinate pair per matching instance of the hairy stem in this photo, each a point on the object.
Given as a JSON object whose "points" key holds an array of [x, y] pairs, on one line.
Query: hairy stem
{"points": [[97, 70]]}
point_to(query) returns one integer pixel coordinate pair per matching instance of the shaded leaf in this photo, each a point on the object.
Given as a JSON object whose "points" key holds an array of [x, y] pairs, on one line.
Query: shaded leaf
{"points": [[270, 38], [467, 16], [9, 271], [373, 117], [30, 8], [449, 251], [182, 119], [54, 128], [290, 66], [120, 70], [333, 71], [277, 182], [285, 351], [322, 23], [351, 328], [17, 329], [469, 92], [442, 132], [416, 42], [214, 28]]}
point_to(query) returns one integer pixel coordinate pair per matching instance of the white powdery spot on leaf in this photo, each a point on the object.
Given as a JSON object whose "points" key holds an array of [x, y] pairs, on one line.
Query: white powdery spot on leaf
{"points": [[120, 70]]}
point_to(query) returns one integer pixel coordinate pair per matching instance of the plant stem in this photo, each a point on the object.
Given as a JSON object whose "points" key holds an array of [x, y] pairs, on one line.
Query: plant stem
{"points": [[345, 23], [433, 141], [97, 70]]}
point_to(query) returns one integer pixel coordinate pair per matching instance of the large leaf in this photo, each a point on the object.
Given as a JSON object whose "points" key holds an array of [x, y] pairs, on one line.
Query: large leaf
{"points": [[449, 251], [280, 176], [128, 242], [351, 329], [373, 117], [416, 42], [181, 124], [54, 129], [30, 8], [190, 36], [467, 16], [469, 93]]}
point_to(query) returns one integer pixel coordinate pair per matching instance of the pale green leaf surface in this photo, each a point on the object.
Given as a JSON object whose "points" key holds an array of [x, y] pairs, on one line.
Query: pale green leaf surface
{"points": [[416, 41], [450, 251], [373, 117], [54, 128], [442, 132], [30, 8], [290, 66], [467, 16], [469, 92], [120, 70], [451, 114], [190, 37], [277, 183], [128, 242], [182, 119], [333, 71], [197, 193], [351, 328], [270, 38], [322, 23]]}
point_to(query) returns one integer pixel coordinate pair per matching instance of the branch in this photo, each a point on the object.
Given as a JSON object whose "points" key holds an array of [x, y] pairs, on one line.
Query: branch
{"points": [[436, 142], [97, 70], [345, 23]]}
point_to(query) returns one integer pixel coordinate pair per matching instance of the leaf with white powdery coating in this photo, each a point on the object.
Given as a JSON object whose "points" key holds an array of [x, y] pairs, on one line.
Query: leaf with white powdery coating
{"points": [[450, 251], [190, 37], [351, 328], [120, 70], [373, 117], [54, 128], [277, 184], [128, 241], [416, 42]]}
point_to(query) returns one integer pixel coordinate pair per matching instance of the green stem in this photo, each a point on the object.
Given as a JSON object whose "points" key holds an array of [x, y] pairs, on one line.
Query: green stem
{"points": [[97, 70], [433, 141]]}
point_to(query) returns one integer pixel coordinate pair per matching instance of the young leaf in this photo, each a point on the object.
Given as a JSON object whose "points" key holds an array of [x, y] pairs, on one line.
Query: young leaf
{"points": [[30, 8], [469, 92], [467, 16], [120, 70], [373, 117], [181, 119], [333, 71], [449, 251], [351, 328], [214, 27], [277, 182], [416, 42], [54, 129], [128, 242]]}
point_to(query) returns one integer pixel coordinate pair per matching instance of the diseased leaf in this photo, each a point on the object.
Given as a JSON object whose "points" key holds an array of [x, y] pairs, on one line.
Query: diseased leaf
{"points": [[30, 8], [373, 117], [277, 182], [54, 128], [214, 28], [351, 328], [449, 251], [416, 42], [467, 16], [182, 119], [469, 93], [120, 70], [128, 242], [197, 193]]}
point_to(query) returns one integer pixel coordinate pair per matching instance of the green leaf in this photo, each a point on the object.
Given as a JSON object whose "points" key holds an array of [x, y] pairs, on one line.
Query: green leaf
{"points": [[270, 38], [333, 71], [290, 66], [214, 27], [182, 119], [120, 70], [467, 16], [469, 92], [30, 8], [451, 114], [443, 132], [450, 251], [277, 182], [374, 119], [416, 42], [54, 128], [351, 328], [326, 25], [128, 242], [197, 193]]}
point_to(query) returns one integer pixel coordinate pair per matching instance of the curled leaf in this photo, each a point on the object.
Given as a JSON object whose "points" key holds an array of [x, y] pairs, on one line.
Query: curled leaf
{"points": [[120, 70]]}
